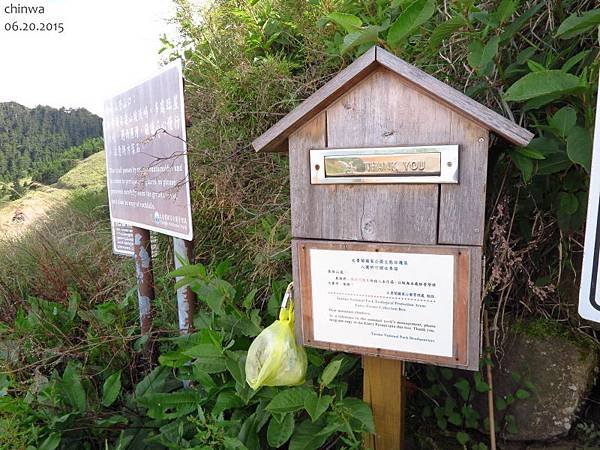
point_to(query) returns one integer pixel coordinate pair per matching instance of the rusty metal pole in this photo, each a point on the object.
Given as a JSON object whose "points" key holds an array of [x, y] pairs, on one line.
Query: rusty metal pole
{"points": [[145, 278], [183, 252]]}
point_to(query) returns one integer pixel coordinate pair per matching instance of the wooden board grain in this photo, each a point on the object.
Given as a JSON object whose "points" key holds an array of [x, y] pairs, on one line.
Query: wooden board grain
{"points": [[462, 206], [466, 304], [384, 386]]}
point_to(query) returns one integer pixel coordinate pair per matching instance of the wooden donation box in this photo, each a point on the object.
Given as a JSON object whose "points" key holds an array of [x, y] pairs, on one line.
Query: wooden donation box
{"points": [[387, 175]]}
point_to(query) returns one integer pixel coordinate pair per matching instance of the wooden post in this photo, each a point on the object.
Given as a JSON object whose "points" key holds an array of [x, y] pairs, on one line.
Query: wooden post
{"points": [[384, 390], [145, 278]]}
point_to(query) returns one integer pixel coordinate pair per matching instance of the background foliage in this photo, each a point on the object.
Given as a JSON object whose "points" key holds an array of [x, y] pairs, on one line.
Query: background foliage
{"points": [[72, 374]]}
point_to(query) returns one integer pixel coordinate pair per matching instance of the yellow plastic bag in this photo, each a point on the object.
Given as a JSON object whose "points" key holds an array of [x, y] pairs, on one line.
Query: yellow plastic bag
{"points": [[274, 358]]}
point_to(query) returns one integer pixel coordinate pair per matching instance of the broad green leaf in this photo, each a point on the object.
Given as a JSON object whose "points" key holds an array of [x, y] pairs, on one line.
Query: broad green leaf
{"points": [[348, 22], [72, 388], [480, 385], [444, 30], [563, 120], [524, 164], [489, 51], [464, 388], [315, 406], [153, 382], [288, 400], [505, 10], [554, 164], [226, 400], [579, 147], [111, 389], [360, 411], [546, 145], [307, 436], [500, 403], [537, 84], [417, 13], [330, 372], [576, 24], [51, 442], [462, 437], [279, 433], [530, 153], [363, 36]]}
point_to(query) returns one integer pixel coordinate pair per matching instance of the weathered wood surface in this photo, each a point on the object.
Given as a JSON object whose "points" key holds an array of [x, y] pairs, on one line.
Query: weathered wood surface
{"points": [[462, 205], [275, 138], [458, 101], [466, 301], [384, 386], [379, 111]]}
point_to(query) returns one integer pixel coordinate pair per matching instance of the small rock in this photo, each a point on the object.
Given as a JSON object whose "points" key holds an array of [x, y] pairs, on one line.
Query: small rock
{"points": [[556, 391]]}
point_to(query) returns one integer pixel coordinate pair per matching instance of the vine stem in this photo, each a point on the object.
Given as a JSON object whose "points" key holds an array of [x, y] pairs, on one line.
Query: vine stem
{"points": [[490, 384]]}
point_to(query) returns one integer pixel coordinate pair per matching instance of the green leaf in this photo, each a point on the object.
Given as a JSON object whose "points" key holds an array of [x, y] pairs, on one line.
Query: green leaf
{"points": [[464, 388], [563, 120], [349, 22], [288, 400], [455, 419], [500, 403], [545, 145], [567, 203], [462, 437], [535, 66], [226, 400], [445, 30], [330, 372], [72, 388], [520, 22], [574, 60], [315, 406], [506, 9], [366, 35], [51, 442], [522, 394], [530, 153], [537, 84], [279, 433], [153, 382], [417, 13], [308, 436], [579, 147], [575, 24], [480, 385], [111, 389], [554, 163], [360, 411], [524, 164]]}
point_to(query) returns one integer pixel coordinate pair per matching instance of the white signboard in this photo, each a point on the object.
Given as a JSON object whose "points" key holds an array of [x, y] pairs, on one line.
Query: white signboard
{"points": [[122, 240], [589, 292], [394, 301], [146, 159]]}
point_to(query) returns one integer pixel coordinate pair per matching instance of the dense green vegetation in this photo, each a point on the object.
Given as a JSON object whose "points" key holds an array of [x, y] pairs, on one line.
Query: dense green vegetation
{"points": [[33, 138], [70, 349]]}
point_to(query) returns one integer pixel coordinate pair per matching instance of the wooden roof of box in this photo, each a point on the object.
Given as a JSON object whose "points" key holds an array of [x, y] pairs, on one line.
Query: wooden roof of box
{"points": [[275, 138]]}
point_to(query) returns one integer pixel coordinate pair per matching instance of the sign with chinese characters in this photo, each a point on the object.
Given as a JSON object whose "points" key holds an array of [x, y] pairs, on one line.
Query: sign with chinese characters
{"points": [[589, 292], [146, 160], [398, 301], [425, 164]]}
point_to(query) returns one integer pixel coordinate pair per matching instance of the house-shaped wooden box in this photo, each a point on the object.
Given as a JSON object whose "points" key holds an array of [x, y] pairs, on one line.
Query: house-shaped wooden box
{"points": [[387, 115]]}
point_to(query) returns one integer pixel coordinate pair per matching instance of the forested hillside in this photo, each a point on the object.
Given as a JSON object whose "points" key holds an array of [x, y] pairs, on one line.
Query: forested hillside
{"points": [[31, 138]]}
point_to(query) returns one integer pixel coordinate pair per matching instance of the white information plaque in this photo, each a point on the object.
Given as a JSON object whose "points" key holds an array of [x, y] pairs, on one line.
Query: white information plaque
{"points": [[395, 301]]}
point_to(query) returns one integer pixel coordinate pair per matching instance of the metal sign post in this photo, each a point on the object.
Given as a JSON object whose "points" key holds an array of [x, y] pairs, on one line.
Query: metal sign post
{"points": [[589, 292], [186, 298]]}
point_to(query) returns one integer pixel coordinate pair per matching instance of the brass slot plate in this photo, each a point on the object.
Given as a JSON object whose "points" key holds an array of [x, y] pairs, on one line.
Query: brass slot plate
{"points": [[425, 164]]}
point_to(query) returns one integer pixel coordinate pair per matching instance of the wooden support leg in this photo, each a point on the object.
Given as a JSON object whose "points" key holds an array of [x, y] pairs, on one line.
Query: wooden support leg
{"points": [[383, 388]]}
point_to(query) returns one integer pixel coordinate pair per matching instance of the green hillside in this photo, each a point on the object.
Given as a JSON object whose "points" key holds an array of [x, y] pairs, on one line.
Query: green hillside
{"points": [[31, 138]]}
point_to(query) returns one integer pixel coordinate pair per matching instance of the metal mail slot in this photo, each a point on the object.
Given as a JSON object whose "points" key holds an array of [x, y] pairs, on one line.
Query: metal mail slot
{"points": [[427, 164]]}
